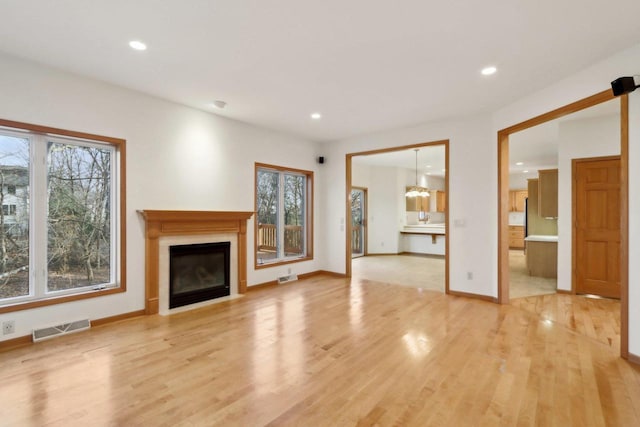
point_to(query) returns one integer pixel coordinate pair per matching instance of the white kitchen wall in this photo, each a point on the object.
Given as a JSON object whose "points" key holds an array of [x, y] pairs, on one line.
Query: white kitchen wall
{"points": [[516, 218], [579, 139], [177, 158], [518, 181]]}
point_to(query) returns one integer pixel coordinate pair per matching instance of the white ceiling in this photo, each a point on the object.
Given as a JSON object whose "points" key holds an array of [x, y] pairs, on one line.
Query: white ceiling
{"points": [[431, 160], [365, 65], [537, 147]]}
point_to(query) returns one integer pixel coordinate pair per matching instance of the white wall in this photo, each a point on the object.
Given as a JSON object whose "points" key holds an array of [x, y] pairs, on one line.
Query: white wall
{"points": [[158, 133], [589, 81], [518, 181], [472, 196], [578, 139], [177, 158], [473, 178], [383, 231], [360, 175]]}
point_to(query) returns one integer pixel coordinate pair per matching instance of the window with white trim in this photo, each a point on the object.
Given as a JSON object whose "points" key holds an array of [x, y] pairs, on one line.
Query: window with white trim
{"points": [[283, 220], [60, 233]]}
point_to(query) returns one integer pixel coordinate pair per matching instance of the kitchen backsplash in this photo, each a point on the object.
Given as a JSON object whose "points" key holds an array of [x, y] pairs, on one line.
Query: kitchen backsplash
{"points": [[434, 217], [516, 218]]}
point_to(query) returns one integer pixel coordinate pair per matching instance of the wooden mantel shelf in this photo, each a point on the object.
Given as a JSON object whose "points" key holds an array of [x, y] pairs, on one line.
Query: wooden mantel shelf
{"points": [[161, 223]]}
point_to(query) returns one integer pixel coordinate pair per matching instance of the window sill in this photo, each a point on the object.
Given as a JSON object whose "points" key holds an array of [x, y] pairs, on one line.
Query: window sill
{"points": [[60, 300], [283, 262]]}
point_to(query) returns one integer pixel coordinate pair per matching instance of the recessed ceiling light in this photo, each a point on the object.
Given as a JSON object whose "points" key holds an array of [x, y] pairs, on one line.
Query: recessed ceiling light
{"points": [[137, 45], [525, 171], [429, 166], [219, 104], [487, 71], [519, 163], [316, 116]]}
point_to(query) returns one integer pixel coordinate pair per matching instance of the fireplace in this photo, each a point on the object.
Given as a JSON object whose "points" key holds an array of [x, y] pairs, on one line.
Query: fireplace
{"points": [[198, 272], [165, 229]]}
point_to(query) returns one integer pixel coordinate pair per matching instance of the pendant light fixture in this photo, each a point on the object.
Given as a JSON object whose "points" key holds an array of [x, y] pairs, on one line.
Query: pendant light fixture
{"points": [[416, 190]]}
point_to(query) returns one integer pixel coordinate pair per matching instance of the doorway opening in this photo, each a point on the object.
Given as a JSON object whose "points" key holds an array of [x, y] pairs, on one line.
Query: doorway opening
{"points": [[383, 226], [504, 137]]}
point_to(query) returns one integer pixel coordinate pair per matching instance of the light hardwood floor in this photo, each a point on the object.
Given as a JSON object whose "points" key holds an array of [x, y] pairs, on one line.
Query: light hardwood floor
{"points": [[332, 352]]}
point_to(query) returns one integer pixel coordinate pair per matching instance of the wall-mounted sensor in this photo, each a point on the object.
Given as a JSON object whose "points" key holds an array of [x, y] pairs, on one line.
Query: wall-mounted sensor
{"points": [[321, 160], [624, 85]]}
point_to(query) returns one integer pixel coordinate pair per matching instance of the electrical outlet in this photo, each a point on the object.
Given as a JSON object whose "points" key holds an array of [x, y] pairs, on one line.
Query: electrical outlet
{"points": [[8, 327]]}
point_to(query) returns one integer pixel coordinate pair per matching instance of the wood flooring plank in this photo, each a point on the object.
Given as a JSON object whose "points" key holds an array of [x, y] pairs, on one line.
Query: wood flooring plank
{"points": [[329, 351]]}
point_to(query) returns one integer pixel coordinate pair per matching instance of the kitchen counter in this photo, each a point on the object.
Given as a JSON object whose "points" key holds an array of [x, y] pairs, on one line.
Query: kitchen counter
{"points": [[415, 238], [424, 229], [541, 238]]}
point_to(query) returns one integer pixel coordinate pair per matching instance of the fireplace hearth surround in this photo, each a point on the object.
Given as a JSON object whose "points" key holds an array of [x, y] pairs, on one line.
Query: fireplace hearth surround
{"points": [[160, 223]]}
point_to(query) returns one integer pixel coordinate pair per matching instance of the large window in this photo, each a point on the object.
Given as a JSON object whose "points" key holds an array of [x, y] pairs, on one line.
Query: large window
{"points": [[283, 215], [60, 221]]}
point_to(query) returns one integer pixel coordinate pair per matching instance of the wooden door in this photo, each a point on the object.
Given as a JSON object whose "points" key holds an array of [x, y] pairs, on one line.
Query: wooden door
{"points": [[597, 226]]}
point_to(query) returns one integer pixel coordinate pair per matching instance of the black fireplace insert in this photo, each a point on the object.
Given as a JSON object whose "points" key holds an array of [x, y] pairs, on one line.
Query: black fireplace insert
{"points": [[198, 272]]}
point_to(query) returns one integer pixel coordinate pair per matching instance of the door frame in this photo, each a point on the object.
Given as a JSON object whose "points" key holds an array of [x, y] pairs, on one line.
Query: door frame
{"points": [[574, 205], [365, 216], [347, 228], [503, 200]]}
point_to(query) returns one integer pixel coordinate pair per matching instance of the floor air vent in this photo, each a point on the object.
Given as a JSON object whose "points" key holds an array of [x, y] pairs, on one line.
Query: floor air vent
{"points": [[287, 278], [65, 328]]}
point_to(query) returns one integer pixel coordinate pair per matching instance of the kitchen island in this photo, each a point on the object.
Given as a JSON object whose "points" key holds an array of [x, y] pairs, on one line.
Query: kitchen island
{"points": [[424, 239], [542, 255]]}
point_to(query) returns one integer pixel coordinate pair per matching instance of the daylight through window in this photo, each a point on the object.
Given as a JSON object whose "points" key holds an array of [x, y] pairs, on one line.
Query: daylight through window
{"points": [[60, 216], [283, 214]]}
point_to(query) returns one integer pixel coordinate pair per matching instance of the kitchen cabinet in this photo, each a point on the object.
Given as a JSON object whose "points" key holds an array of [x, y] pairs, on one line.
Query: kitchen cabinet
{"points": [[441, 201], [516, 237], [516, 200], [548, 193], [536, 223], [417, 204]]}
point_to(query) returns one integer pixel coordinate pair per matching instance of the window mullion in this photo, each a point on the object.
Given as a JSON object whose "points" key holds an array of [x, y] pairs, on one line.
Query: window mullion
{"points": [[38, 229], [280, 216]]}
